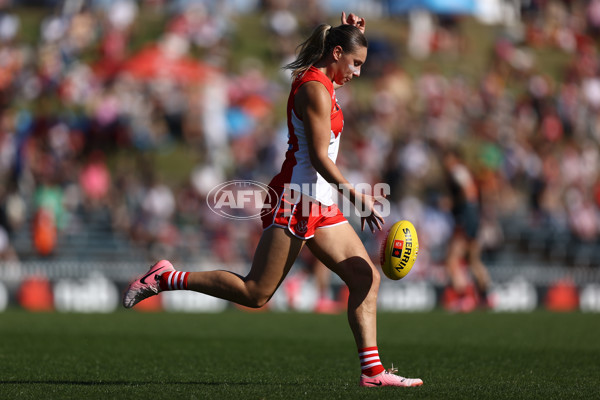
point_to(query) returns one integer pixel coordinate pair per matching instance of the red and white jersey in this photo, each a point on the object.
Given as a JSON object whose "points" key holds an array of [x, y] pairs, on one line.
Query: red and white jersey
{"points": [[297, 168]]}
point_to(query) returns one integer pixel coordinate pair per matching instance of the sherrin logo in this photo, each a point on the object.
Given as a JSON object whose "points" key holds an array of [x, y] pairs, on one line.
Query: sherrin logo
{"points": [[241, 199], [408, 252]]}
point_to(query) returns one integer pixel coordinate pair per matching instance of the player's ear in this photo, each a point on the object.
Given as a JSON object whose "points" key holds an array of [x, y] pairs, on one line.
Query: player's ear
{"points": [[337, 53]]}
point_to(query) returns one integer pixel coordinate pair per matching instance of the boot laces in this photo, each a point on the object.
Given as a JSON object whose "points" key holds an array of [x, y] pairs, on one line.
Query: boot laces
{"points": [[392, 370]]}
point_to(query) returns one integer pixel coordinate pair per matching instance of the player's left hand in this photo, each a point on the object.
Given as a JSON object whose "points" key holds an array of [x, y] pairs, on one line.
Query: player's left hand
{"points": [[355, 20], [370, 215]]}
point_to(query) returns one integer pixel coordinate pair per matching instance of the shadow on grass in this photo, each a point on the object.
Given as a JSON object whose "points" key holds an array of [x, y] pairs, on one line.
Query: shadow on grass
{"points": [[128, 383]]}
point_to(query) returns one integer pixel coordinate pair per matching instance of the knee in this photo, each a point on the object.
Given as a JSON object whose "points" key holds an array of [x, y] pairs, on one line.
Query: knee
{"points": [[376, 277], [366, 277], [256, 302], [257, 298], [375, 280]]}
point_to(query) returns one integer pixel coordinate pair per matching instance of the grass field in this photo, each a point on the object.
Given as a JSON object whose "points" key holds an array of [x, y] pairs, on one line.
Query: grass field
{"points": [[237, 355]]}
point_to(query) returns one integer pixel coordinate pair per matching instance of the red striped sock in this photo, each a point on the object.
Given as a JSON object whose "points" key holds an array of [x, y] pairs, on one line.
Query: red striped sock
{"points": [[173, 280], [369, 361]]}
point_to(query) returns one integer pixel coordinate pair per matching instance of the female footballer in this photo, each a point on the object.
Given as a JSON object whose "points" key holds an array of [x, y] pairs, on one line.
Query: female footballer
{"points": [[304, 212]]}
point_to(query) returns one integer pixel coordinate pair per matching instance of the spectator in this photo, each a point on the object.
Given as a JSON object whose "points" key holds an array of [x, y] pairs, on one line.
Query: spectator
{"points": [[530, 131]]}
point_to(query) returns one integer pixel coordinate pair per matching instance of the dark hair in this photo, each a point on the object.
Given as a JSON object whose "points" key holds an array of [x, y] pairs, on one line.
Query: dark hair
{"points": [[322, 40]]}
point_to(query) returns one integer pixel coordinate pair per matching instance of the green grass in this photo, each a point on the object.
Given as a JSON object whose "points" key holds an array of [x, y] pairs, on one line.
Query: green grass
{"points": [[238, 355]]}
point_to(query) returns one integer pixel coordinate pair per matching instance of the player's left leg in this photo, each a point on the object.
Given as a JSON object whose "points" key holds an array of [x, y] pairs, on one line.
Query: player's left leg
{"points": [[341, 250], [274, 256], [146, 284]]}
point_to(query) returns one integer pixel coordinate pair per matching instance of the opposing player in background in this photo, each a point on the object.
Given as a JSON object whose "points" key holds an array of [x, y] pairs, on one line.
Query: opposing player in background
{"points": [[330, 56], [464, 243]]}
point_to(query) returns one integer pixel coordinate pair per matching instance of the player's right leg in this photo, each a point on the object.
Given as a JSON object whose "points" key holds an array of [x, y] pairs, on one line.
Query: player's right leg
{"points": [[274, 256]]}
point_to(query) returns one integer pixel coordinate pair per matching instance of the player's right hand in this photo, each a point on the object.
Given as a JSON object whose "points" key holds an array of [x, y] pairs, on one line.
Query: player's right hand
{"points": [[355, 20]]}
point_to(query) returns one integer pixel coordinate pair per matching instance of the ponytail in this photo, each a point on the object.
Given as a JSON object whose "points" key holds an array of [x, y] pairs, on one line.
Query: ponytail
{"points": [[322, 40], [311, 51]]}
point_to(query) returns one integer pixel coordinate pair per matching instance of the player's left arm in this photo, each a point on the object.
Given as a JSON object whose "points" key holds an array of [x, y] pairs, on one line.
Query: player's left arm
{"points": [[313, 103]]}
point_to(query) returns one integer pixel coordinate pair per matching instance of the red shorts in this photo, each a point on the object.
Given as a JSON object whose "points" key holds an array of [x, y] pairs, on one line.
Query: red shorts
{"points": [[301, 214]]}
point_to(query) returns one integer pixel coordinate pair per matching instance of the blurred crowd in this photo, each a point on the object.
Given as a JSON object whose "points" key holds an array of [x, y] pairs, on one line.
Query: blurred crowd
{"points": [[82, 117]]}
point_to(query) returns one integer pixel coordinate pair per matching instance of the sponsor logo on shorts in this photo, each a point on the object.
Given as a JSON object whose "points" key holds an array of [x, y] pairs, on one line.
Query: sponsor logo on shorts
{"points": [[301, 227]]}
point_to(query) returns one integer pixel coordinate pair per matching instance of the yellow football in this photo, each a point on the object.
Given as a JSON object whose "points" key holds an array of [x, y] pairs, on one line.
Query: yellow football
{"points": [[399, 250]]}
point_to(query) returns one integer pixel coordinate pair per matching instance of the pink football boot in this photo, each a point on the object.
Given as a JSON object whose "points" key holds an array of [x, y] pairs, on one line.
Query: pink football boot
{"points": [[389, 378], [146, 285]]}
